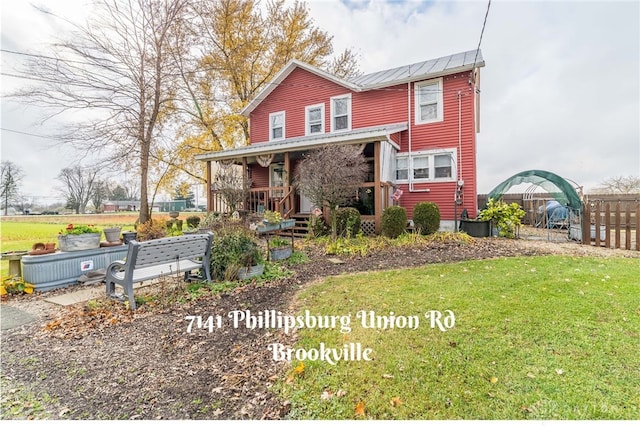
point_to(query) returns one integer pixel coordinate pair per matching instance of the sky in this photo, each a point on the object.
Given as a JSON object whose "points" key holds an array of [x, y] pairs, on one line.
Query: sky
{"points": [[560, 90]]}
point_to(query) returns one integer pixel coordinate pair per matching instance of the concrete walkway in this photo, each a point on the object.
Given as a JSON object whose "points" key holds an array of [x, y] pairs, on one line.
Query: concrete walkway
{"points": [[11, 317]]}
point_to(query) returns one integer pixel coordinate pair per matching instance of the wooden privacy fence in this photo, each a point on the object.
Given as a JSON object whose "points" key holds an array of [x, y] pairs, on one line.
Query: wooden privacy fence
{"points": [[611, 224], [615, 216]]}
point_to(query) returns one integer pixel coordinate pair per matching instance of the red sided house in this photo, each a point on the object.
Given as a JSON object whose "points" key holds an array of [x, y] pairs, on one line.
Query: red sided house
{"points": [[415, 124]]}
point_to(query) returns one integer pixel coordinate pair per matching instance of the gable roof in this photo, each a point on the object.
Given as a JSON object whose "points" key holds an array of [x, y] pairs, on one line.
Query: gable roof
{"points": [[431, 68]]}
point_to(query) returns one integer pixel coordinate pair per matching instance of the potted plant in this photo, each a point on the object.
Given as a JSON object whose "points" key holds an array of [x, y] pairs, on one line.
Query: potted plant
{"points": [[79, 237], [235, 254], [505, 217], [279, 249], [112, 234]]}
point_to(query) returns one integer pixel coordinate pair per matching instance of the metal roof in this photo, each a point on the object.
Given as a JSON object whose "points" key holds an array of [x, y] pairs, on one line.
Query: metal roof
{"points": [[362, 135], [431, 68], [421, 70]]}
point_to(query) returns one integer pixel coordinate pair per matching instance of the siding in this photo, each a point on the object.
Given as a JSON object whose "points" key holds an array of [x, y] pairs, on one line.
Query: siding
{"points": [[389, 105], [444, 134], [259, 176]]}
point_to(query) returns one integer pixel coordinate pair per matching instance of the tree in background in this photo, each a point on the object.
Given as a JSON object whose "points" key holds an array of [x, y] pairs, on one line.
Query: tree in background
{"points": [[620, 185], [330, 175], [78, 185], [244, 44], [99, 194], [10, 176], [184, 192], [119, 68]]}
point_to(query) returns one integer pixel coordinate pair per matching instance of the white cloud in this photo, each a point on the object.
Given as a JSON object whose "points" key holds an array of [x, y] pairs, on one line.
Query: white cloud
{"points": [[560, 87]]}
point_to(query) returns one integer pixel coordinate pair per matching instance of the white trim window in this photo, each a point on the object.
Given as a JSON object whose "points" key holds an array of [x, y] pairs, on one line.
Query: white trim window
{"points": [[426, 166], [341, 113], [428, 101], [314, 119], [276, 126]]}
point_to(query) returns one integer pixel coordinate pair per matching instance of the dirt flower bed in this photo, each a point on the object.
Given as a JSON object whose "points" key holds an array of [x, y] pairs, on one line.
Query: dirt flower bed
{"points": [[100, 361]]}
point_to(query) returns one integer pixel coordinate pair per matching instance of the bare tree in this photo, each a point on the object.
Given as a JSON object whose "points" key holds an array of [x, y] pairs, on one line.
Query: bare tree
{"points": [[10, 176], [621, 185], [99, 194], [233, 185], [117, 70], [330, 175], [78, 185]]}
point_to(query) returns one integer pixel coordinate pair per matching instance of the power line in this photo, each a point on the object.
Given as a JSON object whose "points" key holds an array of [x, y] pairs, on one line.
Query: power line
{"points": [[27, 134], [481, 34]]}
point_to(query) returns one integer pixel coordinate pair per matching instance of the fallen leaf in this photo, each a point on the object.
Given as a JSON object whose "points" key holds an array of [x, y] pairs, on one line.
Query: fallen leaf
{"points": [[396, 401], [387, 376], [289, 379], [299, 369], [326, 395], [341, 393], [360, 409], [494, 380]]}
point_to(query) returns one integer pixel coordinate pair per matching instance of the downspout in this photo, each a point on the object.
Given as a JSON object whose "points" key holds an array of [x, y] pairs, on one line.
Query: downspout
{"points": [[410, 165], [460, 136]]}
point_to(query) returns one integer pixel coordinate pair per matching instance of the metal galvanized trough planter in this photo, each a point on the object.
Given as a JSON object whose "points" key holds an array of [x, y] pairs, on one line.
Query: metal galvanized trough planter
{"points": [[62, 269]]}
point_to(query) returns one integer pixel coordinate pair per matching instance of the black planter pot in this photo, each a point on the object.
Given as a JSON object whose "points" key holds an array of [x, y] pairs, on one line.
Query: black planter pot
{"points": [[476, 228], [129, 236]]}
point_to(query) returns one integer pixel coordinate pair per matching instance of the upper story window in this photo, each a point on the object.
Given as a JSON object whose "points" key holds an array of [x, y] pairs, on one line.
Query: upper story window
{"points": [[426, 166], [428, 103], [276, 126], [314, 119], [341, 113]]}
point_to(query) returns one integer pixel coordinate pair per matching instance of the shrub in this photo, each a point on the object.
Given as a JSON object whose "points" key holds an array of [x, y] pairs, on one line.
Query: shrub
{"points": [[348, 222], [211, 221], [193, 221], [317, 227], [15, 285], [232, 249], [394, 221], [152, 229], [505, 217], [426, 217]]}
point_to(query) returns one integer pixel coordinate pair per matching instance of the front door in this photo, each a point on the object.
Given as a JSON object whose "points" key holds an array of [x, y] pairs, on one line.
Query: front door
{"points": [[306, 206]]}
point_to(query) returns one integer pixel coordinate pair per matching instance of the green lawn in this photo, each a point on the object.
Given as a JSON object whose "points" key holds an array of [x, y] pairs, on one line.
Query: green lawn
{"points": [[534, 338]]}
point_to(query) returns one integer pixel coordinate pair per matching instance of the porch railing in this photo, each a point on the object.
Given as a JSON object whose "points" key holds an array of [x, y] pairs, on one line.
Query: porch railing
{"points": [[282, 199], [278, 199]]}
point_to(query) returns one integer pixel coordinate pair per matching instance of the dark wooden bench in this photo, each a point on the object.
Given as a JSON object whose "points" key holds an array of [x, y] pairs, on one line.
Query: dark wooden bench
{"points": [[147, 260]]}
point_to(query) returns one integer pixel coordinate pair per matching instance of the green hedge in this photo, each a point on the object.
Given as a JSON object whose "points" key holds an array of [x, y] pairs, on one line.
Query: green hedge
{"points": [[348, 221], [426, 217], [394, 221]]}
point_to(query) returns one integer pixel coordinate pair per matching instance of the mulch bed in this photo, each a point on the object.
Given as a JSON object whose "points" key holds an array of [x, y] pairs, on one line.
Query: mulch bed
{"points": [[112, 364]]}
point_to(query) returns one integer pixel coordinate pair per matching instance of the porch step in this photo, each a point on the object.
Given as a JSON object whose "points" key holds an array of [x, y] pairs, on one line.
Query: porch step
{"points": [[300, 230]]}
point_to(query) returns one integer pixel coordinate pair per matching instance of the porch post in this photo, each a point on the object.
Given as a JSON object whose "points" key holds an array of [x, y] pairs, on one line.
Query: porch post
{"points": [[209, 194], [377, 187], [287, 183], [245, 172]]}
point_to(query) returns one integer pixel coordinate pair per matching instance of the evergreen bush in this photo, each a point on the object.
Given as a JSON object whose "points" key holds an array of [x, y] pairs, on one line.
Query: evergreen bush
{"points": [[426, 217], [348, 222], [394, 221], [193, 221]]}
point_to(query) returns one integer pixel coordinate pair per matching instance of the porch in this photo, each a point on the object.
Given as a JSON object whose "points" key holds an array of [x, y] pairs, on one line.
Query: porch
{"points": [[266, 173], [291, 205]]}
